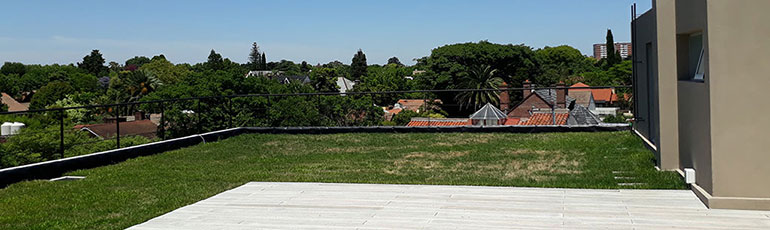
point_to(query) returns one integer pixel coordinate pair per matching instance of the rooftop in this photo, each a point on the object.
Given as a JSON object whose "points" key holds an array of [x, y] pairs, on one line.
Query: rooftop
{"points": [[132, 192]]}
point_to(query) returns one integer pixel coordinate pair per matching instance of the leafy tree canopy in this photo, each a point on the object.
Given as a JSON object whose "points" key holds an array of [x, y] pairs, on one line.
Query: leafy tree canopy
{"points": [[13, 68], [138, 61], [50, 93], [94, 64], [358, 65]]}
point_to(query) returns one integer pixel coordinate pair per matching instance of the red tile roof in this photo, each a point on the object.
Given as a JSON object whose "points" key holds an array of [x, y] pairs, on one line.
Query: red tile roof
{"points": [[417, 122], [512, 121], [607, 95], [546, 119]]}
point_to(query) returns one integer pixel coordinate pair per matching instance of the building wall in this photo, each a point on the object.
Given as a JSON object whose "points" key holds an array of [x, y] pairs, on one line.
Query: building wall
{"points": [[739, 53], [645, 78], [668, 104], [522, 111], [693, 96]]}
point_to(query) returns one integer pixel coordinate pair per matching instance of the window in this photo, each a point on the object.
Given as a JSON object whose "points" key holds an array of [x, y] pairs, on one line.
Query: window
{"points": [[700, 70], [696, 66]]}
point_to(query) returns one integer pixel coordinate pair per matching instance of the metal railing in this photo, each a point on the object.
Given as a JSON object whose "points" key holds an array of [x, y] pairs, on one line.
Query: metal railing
{"points": [[186, 116]]}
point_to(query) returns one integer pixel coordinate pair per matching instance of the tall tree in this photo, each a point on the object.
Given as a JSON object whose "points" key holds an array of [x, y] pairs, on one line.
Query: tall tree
{"points": [[395, 61], [613, 57], [358, 65], [264, 61], [304, 67], [215, 61], [94, 64], [255, 57]]}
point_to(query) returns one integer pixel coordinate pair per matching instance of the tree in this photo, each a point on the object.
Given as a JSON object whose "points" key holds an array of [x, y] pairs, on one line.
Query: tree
{"points": [[255, 57], [358, 65], [140, 83], [94, 64], [394, 61], [479, 77], [561, 62], [324, 80], [613, 57], [13, 68], [50, 93], [304, 67], [137, 61], [264, 61], [215, 61], [165, 71], [404, 117]]}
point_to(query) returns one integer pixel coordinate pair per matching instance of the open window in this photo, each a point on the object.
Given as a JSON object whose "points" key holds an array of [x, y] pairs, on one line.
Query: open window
{"points": [[700, 69]]}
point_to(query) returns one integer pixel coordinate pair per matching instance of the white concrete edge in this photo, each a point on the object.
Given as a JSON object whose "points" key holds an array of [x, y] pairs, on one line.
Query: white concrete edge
{"points": [[649, 143]]}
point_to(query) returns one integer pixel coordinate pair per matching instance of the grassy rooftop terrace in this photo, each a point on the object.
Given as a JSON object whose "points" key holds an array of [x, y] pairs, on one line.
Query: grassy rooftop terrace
{"points": [[128, 193]]}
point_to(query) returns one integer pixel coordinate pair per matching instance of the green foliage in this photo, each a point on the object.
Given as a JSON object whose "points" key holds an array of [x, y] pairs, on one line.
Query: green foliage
{"points": [[384, 78], [324, 79], [613, 57], [615, 119], [94, 64], [479, 77], [255, 58], [13, 68], [10, 84], [50, 93], [358, 65], [404, 117], [395, 61], [137, 61], [34, 145], [165, 71], [215, 61], [75, 115], [140, 83], [3, 108], [619, 74], [559, 63]]}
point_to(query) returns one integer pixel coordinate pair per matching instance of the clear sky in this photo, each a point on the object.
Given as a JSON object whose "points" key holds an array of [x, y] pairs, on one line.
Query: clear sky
{"points": [[45, 32]]}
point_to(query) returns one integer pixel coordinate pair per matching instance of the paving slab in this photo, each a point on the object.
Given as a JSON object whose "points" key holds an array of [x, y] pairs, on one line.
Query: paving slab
{"points": [[272, 205]]}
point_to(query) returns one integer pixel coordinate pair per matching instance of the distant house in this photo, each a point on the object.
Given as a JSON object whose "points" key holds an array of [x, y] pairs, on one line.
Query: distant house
{"points": [[416, 105], [263, 73], [551, 107], [345, 84], [443, 122], [602, 97], [13, 105], [289, 79], [145, 128]]}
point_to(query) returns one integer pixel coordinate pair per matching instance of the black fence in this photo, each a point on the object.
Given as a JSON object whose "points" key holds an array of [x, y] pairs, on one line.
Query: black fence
{"points": [[63, 132]]}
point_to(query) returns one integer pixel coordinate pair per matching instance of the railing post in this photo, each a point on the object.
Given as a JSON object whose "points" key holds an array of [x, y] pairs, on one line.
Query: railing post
{"points": [[267, 112], [230, 112], [117, 125], [61, 133], [198, 113], [162, 121]]}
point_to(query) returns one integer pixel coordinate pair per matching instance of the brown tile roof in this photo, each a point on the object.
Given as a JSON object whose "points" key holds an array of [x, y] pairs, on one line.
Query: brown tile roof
{"points": [[421, 121], [13, 105], [546, 119], [414, 104], [144, 128], [581, 97], [602, 95]]}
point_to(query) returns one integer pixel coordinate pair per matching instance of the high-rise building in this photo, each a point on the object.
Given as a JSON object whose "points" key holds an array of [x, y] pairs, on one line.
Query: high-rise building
{"points": [[600, 50]]}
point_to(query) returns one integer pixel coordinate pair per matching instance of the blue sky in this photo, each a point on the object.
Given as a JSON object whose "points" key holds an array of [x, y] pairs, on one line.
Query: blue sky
{"points": [[44, 32]]}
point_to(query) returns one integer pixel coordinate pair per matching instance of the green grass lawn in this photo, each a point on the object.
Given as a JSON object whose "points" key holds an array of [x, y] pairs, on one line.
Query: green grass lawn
{"points": [[125, 194]]}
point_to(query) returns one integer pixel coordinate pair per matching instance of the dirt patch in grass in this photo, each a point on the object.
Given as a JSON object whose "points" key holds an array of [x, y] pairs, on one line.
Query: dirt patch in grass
{"points": [[513, 164]]}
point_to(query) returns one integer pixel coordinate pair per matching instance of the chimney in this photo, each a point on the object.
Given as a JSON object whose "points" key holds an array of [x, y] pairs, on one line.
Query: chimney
{"points": [[561, 95], [527, 88], [505, 98]]}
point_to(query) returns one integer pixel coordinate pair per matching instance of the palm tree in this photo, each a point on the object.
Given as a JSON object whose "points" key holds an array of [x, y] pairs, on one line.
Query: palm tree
{"points": [[479, 77], [141, 83]]}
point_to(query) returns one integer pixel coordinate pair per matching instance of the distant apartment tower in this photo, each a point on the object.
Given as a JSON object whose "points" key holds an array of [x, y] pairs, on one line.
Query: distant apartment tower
{"points": [[600, 50]]}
